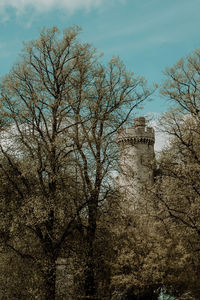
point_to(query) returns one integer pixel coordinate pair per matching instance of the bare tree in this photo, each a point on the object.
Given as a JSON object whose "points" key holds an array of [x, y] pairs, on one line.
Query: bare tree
{"points": [[64, 108], [180, 163], [177, 186]]}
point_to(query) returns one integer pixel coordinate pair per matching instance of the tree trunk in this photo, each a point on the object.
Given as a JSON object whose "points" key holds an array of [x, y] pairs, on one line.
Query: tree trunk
{"points": [[89, 286], [89, 273], [149, 294], [50, 280]]}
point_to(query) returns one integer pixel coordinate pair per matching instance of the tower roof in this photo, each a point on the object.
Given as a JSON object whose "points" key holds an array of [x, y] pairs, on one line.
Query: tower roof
{"points": [[138, 133], [141, 121]]}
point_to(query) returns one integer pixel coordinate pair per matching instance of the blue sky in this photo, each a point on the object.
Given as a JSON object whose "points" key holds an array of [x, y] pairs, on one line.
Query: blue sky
{"points": [[148, 35]]}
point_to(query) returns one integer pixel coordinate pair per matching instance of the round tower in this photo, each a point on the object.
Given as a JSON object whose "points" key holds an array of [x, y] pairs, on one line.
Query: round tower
{"points": [[136, 157]]}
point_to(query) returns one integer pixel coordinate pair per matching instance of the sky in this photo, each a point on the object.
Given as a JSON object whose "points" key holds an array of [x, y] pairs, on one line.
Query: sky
{"points": [[148, 35]]}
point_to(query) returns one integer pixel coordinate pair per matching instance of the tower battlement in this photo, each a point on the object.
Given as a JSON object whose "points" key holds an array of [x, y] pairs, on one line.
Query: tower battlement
{"points": [[138, 133]]}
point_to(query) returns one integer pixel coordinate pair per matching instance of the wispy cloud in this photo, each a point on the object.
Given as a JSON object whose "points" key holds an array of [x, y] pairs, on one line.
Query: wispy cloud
{"points": [[4, 52], [20, 6], [171, 22], [162, 139]]}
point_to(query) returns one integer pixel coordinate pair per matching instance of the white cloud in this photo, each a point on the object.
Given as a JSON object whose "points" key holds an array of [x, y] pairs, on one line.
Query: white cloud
{"points": [[161, 138], [20, 6]]}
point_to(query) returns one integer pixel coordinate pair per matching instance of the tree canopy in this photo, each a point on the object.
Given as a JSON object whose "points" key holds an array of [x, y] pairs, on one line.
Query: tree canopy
{"points": [[60, 109]]}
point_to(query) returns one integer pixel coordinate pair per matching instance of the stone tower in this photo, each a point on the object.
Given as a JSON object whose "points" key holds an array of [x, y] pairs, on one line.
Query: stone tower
{"points": [[136, 159]]}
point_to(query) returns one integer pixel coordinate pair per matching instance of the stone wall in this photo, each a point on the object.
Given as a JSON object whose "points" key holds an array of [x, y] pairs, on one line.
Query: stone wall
{"points": [[136, 158]]}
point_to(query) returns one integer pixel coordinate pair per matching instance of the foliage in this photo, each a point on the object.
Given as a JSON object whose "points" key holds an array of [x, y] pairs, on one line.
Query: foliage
{"points": [[177, 188], [60, 109]]}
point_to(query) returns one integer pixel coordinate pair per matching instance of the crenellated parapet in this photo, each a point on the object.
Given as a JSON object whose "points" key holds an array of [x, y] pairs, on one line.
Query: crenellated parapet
{"points": [[138, 133]]}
